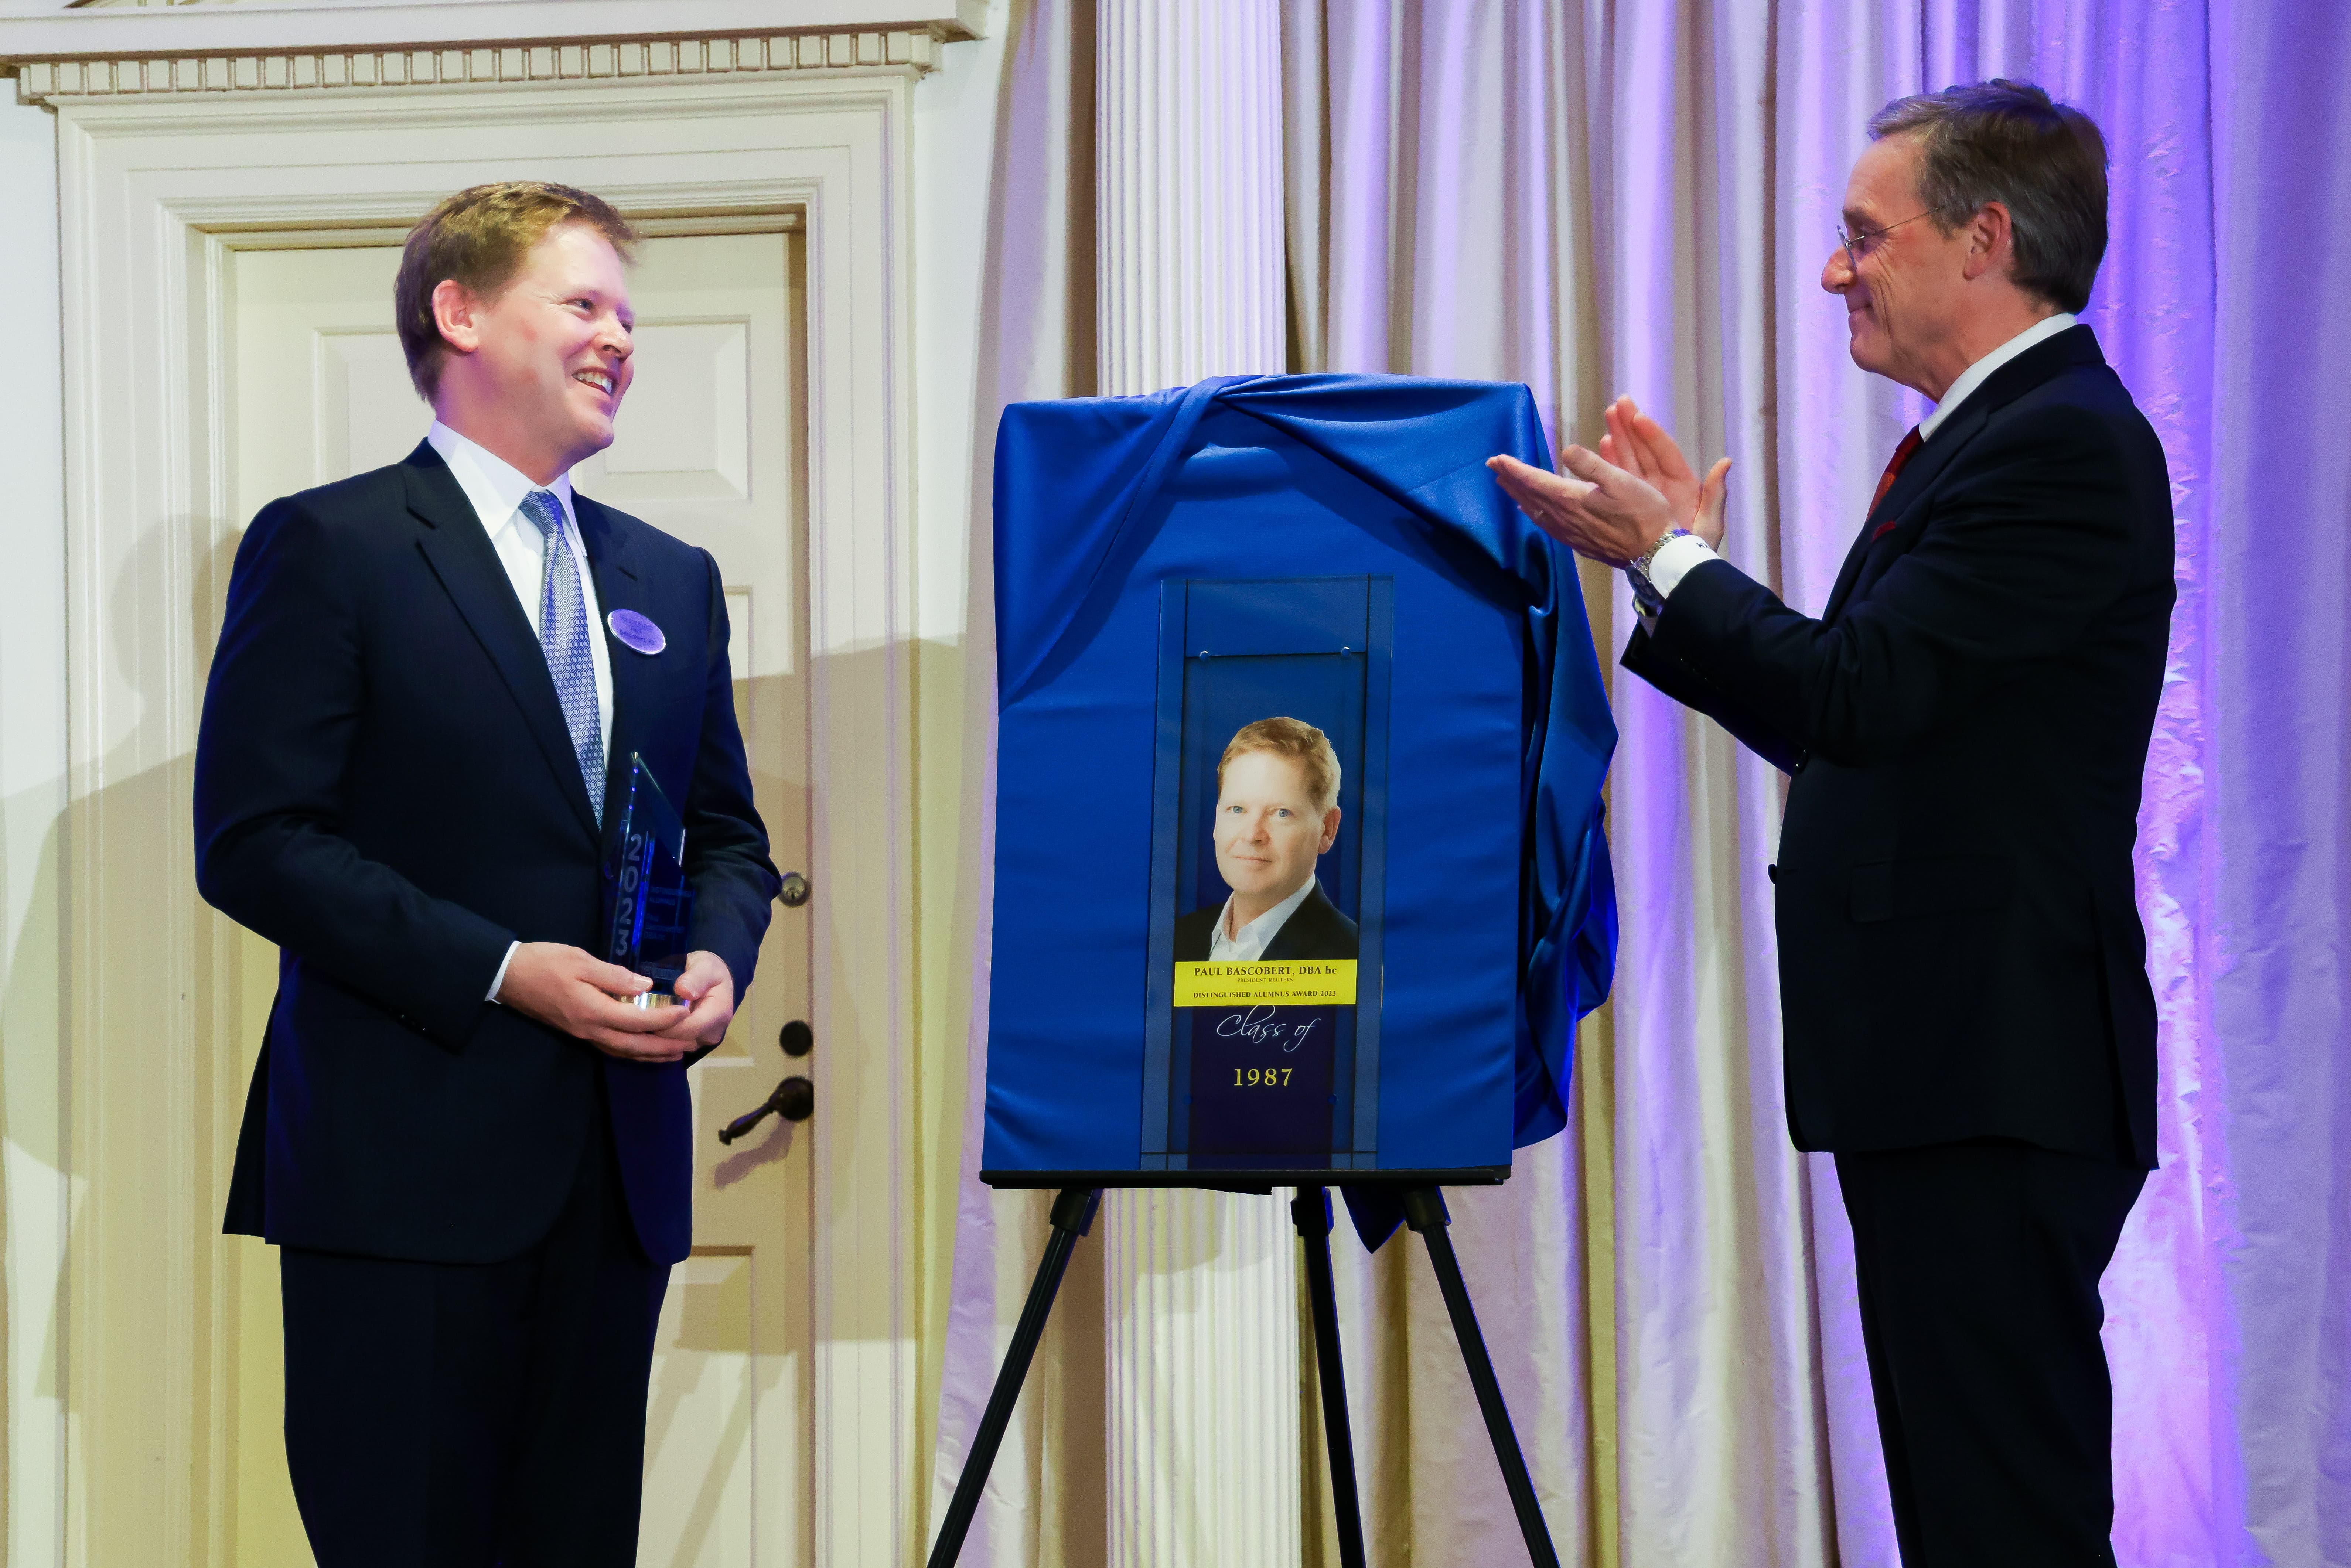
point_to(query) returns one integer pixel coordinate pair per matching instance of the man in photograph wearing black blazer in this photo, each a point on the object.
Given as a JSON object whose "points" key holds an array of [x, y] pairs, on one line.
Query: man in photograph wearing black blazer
{"points": [[1277, 814], [473, 1153], [1968, 1022]]}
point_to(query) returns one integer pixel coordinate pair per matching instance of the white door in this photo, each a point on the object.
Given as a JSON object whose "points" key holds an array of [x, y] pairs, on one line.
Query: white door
{"points": [[709, 448]]}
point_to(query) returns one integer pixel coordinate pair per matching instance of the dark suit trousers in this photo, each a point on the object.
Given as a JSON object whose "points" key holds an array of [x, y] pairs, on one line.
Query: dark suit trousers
{"points": [[1979, 1266], [461, 1415]]}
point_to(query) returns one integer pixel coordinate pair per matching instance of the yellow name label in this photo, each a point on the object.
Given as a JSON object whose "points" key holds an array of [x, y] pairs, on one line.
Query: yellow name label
{"points": [[1305, 983]]}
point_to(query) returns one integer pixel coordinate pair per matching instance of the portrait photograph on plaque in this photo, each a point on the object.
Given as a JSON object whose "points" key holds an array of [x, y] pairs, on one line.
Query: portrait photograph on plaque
{"points": [[1264, 1019]]}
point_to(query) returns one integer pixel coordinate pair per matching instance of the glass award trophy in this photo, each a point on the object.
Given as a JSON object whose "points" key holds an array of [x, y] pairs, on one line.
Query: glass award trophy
{"points": [[647, 904]]}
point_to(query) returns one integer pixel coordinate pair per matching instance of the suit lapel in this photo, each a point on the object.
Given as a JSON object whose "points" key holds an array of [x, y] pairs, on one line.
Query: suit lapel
{"points": [[2069, 350], [1304, 922], [458, 550], [611, 562], [1925, 463], [1848, 571]]}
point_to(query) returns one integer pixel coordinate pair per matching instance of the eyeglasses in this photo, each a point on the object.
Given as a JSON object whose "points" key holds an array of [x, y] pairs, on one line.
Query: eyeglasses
{"points": [[1856, 246]]}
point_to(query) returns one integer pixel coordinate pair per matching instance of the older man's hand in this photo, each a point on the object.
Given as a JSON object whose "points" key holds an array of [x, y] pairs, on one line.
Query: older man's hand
{"points": [[1639, 445], [1614, 513], [1593, 508]]}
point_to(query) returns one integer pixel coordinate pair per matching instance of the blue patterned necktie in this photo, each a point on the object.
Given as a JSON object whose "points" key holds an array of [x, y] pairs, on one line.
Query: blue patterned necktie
{"points": [[563, 634]]}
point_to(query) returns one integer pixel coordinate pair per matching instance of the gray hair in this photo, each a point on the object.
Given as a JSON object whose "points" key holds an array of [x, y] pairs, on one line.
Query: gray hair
{"points": [[2005, 141]]}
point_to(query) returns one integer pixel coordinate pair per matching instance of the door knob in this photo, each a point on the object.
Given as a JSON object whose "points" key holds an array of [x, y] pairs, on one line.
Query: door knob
{"points": [[795, 890], [794, 1100]]}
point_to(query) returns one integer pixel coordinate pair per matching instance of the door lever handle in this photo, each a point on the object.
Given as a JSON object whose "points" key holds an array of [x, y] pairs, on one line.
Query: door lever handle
{"points": [[794, 1100]]}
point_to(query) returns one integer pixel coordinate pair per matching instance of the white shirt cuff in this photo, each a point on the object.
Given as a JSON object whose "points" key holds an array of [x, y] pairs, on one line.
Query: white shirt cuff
{"points": [[499, 979], [1672, 562]]}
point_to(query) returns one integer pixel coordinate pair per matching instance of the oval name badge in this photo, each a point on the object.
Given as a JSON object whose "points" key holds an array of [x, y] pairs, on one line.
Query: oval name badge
{"points": [[636, 631]]}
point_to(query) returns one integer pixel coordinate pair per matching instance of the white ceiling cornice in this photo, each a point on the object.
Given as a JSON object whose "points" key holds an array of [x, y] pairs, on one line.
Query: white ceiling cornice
{"points": [[54, 30], [476, 66]]}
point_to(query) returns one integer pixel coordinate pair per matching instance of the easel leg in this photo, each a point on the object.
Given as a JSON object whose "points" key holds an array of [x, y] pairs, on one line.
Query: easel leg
{"points": [[1311, 1209], [1073, 1215], [1424, 1210]]}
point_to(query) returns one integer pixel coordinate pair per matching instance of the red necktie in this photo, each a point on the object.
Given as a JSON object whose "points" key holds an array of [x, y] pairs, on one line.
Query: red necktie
{"points": [[1894, 469]]}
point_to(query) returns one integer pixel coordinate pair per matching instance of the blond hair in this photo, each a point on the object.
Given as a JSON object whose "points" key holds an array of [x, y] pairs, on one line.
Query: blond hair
{"points": [[1301, 743], [477, 238]]}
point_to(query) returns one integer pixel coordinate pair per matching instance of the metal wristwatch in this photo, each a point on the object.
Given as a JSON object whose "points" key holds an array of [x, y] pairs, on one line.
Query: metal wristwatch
{"points": [[1636, 571]]}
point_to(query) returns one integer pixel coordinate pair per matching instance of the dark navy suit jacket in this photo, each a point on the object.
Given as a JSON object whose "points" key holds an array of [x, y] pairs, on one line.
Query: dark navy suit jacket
{"points": [[1967, 722], [385, 789], [1315, 929]]}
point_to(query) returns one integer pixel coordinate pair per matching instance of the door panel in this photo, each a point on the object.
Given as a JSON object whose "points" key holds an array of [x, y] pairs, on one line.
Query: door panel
{"points": [[708, 449]]}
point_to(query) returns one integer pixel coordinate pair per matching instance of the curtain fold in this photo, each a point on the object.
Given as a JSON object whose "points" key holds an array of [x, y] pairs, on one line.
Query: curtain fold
{"points": [[1034, 339], [1487, 209], [1593, 197], [2262, 875]]}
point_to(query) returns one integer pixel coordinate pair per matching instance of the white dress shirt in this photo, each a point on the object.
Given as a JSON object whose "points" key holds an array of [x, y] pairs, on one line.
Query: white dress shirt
{"points": [[1680, 556], [496, 488], [1248, 945], [1974, 375]]}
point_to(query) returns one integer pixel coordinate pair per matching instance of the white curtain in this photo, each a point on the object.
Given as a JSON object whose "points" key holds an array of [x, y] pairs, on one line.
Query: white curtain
{"points": [[1035, 338], [1576, 198]]}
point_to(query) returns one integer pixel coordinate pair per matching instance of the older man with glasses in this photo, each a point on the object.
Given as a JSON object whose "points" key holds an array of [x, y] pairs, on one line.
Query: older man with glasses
{"points": [[1968, 1022]]}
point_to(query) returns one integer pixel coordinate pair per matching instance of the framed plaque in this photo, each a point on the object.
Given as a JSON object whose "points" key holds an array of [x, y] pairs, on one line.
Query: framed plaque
{"points": [[1269, 792]]}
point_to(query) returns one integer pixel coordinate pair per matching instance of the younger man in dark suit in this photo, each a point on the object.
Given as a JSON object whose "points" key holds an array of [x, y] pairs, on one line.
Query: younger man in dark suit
{"points": [[1277, 814], [472, 1155], [1970, 1026]]}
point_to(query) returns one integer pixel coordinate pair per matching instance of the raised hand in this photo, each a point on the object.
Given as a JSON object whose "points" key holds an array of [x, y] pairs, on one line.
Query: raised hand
{"points": [[1593, 508], [1639, 445]]}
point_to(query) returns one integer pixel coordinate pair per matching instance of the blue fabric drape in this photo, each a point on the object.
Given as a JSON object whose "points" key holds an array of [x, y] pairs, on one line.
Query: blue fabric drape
{"points": [[1075, 480]]}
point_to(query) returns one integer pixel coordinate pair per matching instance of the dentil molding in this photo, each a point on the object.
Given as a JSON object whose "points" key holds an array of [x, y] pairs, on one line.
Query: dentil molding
{"points": [[911, 51], [103, 48]]}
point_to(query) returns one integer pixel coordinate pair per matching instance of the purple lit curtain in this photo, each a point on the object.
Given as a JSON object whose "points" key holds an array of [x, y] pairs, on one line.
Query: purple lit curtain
{"points": [[1593, 197]]}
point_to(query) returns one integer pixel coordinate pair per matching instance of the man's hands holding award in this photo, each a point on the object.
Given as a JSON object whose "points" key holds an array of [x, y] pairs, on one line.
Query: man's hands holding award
{"points": [[569, 990], [645, 1001], [1614, 504]]}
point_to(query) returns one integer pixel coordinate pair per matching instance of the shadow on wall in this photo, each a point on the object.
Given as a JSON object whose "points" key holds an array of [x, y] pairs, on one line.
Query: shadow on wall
{"points": [[56, 1057], [155, 1064]]}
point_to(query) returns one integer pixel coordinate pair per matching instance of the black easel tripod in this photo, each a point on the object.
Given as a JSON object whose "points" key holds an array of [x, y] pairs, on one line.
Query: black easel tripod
{"points": [[1424, 1209]]}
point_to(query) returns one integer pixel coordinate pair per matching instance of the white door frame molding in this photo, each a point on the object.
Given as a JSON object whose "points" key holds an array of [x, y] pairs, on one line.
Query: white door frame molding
{"points": [[156, 194]]}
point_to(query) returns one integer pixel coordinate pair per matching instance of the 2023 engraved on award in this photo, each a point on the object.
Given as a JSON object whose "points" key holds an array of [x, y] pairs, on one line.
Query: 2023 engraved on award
{"points": [[648, 905]]}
